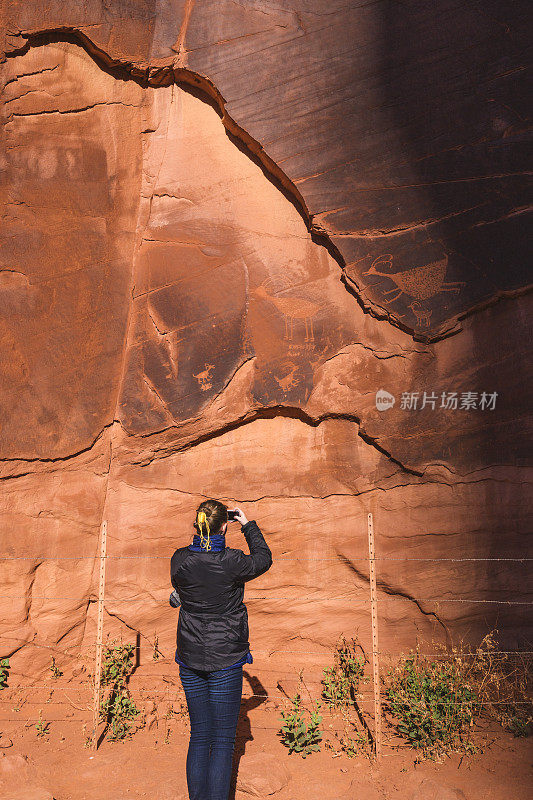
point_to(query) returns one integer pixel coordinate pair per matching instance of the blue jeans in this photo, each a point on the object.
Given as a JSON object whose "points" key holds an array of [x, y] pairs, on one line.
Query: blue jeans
{"points": [[214, 700]]}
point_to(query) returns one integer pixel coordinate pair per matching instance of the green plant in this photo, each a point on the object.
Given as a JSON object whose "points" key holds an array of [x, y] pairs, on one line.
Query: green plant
{"points": [[42, 727], [355, 738], [297, 734], [340, 689], [117, 709], [4, 672], [436, 700], [519, 726], [117, 663], [356, 744], [433, 703], [340, 684], [56, 672]]}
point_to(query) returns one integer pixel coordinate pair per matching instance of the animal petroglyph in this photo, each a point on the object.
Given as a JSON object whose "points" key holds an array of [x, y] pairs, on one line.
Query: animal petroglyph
{"points": [[419, 282], [422, 314], [203, 377], [288, 381], [292, 308]]}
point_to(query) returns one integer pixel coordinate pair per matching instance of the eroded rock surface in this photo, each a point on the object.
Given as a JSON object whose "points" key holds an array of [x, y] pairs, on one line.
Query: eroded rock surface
{"points": [[405, 137]]}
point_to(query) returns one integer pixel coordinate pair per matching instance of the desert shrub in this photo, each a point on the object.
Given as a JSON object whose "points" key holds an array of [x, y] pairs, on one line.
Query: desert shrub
{"points": [[299, 735], [435, 700], [433, 705], [355, 743], [340, 684], [117, 709], [116, 664], [504, 683], [354, 739], [340, 689]]}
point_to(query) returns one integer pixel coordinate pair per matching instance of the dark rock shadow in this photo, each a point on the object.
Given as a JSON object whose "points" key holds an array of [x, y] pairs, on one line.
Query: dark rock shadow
{"points": [[452, 76]]}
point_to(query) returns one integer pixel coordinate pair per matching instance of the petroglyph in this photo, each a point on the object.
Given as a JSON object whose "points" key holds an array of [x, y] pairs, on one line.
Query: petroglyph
{"points": [[419, 282], [292, 308]]}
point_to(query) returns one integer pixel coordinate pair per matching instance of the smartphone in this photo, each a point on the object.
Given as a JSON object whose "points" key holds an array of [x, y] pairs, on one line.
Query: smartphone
{"points": [[232, 515]]}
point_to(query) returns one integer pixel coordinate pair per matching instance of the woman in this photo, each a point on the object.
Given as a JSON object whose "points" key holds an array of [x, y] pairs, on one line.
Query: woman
{"points": [[212, 640]]}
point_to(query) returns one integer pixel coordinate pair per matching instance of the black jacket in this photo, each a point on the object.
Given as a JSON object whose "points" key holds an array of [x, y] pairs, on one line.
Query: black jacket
{"points": [[213, 620]]}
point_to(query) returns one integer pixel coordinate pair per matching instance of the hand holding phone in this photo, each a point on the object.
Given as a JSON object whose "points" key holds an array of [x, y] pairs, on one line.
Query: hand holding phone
{"points": [[236, 515]]}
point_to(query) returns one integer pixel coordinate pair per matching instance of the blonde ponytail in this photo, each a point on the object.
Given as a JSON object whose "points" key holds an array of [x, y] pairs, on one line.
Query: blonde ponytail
{"points": [[213, 514], [201, 518]]}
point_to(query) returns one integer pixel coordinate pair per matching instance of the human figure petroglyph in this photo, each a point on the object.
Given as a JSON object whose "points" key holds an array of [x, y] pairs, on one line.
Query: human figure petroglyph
{"points": [[292, 308], [419, 282]]}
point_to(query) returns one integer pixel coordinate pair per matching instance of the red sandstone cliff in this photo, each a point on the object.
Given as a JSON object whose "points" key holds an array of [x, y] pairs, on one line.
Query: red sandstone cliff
{"points": [[225, 228]]}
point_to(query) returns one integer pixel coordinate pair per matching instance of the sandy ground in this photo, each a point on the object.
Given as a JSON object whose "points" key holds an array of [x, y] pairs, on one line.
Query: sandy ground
{"points": [[152, 762]]}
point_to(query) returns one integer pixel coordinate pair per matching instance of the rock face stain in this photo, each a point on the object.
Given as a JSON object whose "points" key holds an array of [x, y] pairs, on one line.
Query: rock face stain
{"points": [[135, 309]]}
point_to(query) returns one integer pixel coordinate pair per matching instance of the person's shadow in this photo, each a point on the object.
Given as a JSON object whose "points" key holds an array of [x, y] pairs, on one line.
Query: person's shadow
{"points": [[244, 729]]}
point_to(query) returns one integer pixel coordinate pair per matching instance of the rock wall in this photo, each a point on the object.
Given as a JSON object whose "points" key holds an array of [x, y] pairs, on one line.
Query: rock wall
{"points": [[193, 195]]}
